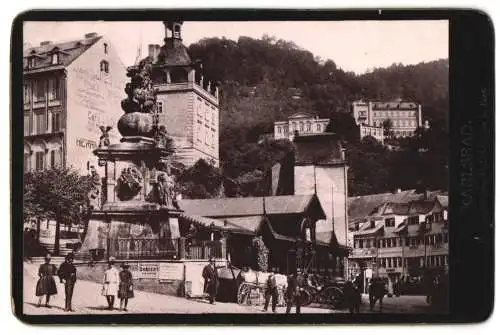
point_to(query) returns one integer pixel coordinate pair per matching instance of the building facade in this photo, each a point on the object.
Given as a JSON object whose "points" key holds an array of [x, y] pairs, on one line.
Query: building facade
{"points": [[187, 102], [406, 117], [71, 89], [402, 240], [375, 132], [301, 123]]}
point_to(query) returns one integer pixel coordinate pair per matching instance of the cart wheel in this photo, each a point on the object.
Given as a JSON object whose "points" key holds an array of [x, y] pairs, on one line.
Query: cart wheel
{"points": [[333, 296], [243, 294]]}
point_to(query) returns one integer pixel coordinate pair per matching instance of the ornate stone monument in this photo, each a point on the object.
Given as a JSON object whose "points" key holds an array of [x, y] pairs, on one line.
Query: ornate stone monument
{"points": [[137, 216]]}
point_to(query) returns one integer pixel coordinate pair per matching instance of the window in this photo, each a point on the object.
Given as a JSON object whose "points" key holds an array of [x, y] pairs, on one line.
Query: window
{"points": [[361, 243], [368, 244], [445, 237], [105, 48], [389, 243], [318, 127], [294, 126], [384, 243], [32, 62], [301, 126], [213, 140], [279, 130], [390, 222], [309, 126], [413, 220], [55, 158], [26, 162], [104, 66], [39, 90], [56, 122], [39, 156], [27, 128], [40, 123], [27, 93], [159, 107], [54, 89], [55, 58]]}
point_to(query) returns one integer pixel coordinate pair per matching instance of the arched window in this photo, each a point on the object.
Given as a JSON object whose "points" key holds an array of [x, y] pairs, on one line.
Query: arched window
{"points": [[301, 126], [104, 66]]}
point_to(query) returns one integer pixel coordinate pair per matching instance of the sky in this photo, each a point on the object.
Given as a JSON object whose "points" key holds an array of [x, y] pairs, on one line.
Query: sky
{"points": [[357, 46]]}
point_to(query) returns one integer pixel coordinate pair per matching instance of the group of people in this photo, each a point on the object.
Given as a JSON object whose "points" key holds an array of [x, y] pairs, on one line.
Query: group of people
{"points": [[115, 283]]}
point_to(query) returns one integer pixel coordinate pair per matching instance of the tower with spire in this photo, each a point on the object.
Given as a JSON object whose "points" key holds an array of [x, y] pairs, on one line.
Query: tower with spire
{"points": [[187, 102]]}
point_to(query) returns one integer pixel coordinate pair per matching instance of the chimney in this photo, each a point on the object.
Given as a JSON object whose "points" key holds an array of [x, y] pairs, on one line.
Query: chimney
{"points": [[90, 35], [45, 43]]}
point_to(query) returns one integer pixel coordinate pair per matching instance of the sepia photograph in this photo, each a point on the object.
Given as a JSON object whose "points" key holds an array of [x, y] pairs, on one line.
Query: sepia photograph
{"points": [[248, 167]]}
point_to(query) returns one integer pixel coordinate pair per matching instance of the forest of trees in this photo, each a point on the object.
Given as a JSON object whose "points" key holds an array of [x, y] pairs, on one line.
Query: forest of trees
{"points": [[260, 80]]}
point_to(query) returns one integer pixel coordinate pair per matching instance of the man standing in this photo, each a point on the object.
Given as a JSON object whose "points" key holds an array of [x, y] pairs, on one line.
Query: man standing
{"points": [[67, 275], [271, 291], [111, 281], [293, 292], [211, 280]]}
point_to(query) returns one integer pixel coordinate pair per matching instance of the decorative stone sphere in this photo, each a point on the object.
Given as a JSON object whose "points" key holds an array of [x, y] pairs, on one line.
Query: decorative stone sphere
{"points": [[136, 124]]}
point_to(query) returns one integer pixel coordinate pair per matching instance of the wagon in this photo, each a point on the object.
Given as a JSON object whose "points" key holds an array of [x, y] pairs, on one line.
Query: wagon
{"points": [[251, 288]]}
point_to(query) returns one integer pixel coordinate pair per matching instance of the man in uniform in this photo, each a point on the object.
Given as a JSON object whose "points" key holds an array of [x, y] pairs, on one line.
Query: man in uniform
{"points": [[271, 291], [67, 275], [211, 280]]}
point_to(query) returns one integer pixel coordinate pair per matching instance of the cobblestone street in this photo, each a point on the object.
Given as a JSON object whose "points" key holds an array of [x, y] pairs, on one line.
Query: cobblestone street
{"points": [[88, 300]]}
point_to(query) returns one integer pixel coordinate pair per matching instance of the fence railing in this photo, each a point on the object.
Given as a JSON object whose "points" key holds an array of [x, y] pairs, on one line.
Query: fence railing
{"points": [[205, 249], [144, 248], [154, 248]]}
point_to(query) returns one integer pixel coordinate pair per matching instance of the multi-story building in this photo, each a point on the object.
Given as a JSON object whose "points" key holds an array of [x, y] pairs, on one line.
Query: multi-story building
{"points": [[70, 90], [375, 132], [301, 123], [406, 117], [401, 239], [187, 103]]}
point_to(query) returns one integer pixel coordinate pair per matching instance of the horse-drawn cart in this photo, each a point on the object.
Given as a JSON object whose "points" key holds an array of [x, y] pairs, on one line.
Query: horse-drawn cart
{"points": [[251, 288]]}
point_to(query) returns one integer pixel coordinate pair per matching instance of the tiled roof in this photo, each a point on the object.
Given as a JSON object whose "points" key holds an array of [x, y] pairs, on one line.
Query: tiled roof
{"points": [[368, 231], [174, 53], [422, 206], [251, 206], [323, 148], [68, 52], [363, 206], [301, 115], [443, 200]]}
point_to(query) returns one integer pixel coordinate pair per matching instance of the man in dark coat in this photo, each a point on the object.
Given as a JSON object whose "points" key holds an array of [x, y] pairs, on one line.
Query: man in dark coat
{"points": [[376, 291], [67, 275], [294, 289], [211, 280], [271, 291]]}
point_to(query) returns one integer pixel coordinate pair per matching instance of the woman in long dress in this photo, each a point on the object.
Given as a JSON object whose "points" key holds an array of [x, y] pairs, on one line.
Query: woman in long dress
{"points": [[46, 285], [110, 286], [125, 290]]}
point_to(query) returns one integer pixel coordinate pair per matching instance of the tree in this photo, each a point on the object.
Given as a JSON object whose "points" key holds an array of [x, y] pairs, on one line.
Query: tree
{"points": [[60, 194], [200, 181], [388, 128]]}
